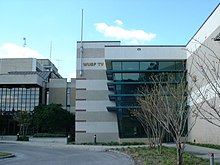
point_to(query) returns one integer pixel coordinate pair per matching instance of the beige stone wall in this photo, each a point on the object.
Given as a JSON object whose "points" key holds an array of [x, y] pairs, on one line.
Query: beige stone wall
{"points": [[92, 117], [57, 91], [17, 64]]}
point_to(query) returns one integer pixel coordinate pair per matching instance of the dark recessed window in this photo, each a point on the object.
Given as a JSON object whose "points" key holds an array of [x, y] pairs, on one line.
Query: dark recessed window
{"points": [[217, 38]]}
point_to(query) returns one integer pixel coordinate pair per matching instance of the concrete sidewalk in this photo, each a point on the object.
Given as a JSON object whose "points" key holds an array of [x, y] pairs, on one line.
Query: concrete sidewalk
{"points": [[198, 151]]}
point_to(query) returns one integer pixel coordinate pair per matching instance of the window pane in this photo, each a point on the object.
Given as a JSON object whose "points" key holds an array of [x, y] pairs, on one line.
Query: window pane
{"points": [[118, 89], [130, 66], [148, 65], [180, 65], [117, 77], [167, 66], [116, 65], [130, 76], [147, 76], [37, 90]]}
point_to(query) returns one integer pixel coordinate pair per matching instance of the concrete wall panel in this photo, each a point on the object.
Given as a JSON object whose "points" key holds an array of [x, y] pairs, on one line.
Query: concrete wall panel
{"points": [[94, 106], [97, 127], [100, 137], [94, 116], [93, 74], [144, 53], [91, 52], [89, 84], [92, 95]]}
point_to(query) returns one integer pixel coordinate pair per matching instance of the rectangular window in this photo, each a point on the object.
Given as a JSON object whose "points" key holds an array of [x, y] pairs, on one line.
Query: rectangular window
{"points": [[117, 77], [130, 76], [68, 96], [180, 65], [167, 65], [116, 65], [118, 89], [130, 65], [149, 65]]}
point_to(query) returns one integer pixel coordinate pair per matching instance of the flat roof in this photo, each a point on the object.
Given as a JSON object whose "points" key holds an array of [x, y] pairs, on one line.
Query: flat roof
{"points": [[145, 46], [96, 41]]}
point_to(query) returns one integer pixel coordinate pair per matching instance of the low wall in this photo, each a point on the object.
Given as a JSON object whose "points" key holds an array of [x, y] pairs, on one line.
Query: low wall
{"points": [[40, 139], [48, 140], [8, 138]]}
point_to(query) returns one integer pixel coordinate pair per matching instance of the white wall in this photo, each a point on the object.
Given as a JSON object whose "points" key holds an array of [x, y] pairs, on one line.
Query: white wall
{"points": [[21, 79], [17, 64], [145, 53]]}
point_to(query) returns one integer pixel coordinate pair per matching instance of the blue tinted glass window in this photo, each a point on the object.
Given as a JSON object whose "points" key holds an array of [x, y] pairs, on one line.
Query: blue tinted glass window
{"points": [[117, 76], [167, 65], [180, 65], [130, 65], [116, 65], [149, 65], [130, 76], [144, 65]]}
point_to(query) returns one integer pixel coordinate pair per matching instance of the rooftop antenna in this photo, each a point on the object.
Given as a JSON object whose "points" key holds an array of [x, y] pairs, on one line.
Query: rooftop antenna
{"points": [[58, 62], [51, 44], [24, 42], [24, 45], [81, 46], [50, 55]]}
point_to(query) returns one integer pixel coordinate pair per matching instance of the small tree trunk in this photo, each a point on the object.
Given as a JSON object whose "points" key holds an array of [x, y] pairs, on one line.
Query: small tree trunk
{"points": [[26, 129], [160, 147], [179, 150], [20, 129], [23, 128]]}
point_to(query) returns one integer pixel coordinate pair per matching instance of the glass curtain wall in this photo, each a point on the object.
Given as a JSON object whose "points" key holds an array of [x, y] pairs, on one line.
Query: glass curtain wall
{"points": [[19, 98], [127, 77]]}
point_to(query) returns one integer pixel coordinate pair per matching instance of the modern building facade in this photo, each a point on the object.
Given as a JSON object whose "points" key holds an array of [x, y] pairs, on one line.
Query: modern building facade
{"points": [[108, 75], [104, 92], [28, 82]]}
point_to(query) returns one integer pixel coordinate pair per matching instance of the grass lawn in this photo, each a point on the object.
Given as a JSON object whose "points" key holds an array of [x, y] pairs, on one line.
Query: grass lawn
{"points": [[150, 156], [214, 146], [4, 154]]}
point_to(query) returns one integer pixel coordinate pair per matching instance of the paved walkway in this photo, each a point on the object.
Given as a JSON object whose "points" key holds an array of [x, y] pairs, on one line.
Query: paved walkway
{"points": [[202, 152]]}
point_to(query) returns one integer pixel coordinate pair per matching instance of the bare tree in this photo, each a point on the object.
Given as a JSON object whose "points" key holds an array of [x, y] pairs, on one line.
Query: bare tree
{"points": [[151, 126], [24, 119], [204, 76], [167, 104]]}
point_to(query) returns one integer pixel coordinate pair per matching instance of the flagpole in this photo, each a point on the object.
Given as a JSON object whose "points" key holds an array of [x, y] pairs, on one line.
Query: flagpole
{"points": [[81, 47]]}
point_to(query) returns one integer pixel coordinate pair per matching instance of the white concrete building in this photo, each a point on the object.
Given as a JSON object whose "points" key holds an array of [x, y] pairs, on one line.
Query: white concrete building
{"points": [[109, 73], [28, 82], [206, 38], [107, 76]]}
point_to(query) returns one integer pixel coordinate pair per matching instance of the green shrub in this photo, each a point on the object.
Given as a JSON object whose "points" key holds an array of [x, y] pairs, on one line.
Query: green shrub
{"points": [[23, 138], [4, 154], [132, 143], [114, 143], [206, 145]]}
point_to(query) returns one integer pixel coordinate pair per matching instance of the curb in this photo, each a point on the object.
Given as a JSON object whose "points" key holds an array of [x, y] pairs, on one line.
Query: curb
{"points": [[8, 156], [122, 153]]}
